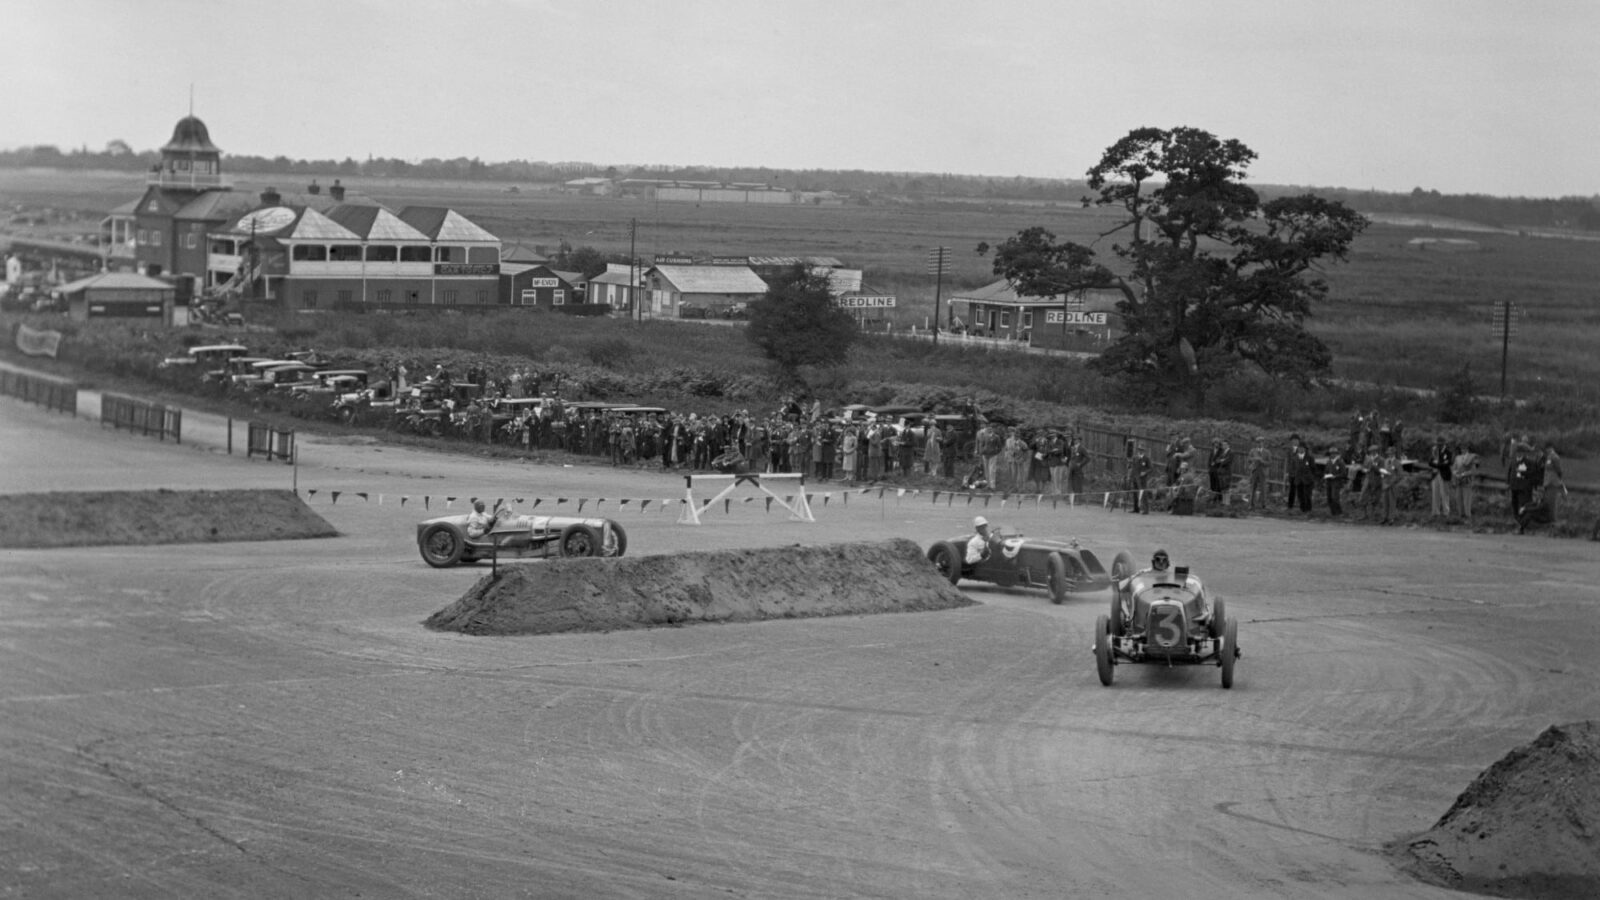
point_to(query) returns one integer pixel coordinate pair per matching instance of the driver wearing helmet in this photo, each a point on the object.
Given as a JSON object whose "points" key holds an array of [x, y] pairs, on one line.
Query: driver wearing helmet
{"points": [[1160, 571], [978, 544], [479, 521]]}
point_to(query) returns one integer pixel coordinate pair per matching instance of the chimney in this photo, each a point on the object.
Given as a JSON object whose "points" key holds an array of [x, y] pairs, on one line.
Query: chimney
{"points": [[337, 191], [271, 197], [313, 187]]}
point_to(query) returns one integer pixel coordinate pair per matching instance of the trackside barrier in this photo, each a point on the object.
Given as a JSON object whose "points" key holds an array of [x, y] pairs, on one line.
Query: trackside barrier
{"points": [[142, 416], [270, 442], [51, 393], [796, 503]]}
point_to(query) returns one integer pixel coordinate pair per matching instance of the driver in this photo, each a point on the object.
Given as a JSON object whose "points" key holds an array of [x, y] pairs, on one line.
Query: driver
{"points": [[478, 521], [978, 544], [1160, 571]]}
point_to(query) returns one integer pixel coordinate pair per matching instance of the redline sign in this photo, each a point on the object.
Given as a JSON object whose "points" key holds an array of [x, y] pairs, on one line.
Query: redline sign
{"points": [[858, 301], [1054, 317]]}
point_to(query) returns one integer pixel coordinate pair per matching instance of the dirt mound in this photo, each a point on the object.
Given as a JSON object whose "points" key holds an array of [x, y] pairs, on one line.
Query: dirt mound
{"points": [[713, 586], [1529, 826], [98, 518]]}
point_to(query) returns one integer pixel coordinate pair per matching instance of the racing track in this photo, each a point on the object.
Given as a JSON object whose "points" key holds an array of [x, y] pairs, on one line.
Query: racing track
{"points": [[248, 720]]}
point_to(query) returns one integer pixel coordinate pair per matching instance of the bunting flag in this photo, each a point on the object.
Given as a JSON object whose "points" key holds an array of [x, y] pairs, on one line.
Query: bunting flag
{"points": [[335, 496], [969, 499], [950, 499], [361, 494], [403, 499], [881, 492], [936, 497], [727, 506], [537, 501], [560, 500], [425, 499], [581, 502], [520, 501], [769, 504], [843, 498], [900, 494], [644, 505], [623, 502], [311, 492], [987, 498]]}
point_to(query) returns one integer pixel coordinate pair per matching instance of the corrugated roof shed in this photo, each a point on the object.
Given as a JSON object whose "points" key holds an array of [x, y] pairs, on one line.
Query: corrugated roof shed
{"points": [[713, 279], [1002, 292]]}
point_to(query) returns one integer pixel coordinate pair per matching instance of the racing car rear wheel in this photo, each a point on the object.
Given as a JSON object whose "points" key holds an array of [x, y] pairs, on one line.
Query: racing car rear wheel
{"points": [[1102, 650], [1058, 579], [579, 539], [1230, 651], [442, 545], [1219, 615], [947, 559]]}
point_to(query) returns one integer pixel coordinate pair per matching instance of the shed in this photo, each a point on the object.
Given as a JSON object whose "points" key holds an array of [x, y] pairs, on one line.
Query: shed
{"points": [[119, 295], [707, 290]]}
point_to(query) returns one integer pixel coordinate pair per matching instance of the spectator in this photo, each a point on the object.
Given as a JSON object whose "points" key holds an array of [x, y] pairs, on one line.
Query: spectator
{"points": [[1054, 448], [1553, 478], [1335, 472], [1390, 471], [849, 445], [1018, 457], [1372, 486], [933, 449], [1522, 476], [1140, 471], [1077, 466], [990, 445], [1442, 460], [1258, 473], [1219, 469], [1299, 470], [1465, 478]]}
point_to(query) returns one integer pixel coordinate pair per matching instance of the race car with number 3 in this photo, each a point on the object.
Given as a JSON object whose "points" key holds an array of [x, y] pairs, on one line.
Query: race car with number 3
{"points": [[1163, 616], [445, 541]]}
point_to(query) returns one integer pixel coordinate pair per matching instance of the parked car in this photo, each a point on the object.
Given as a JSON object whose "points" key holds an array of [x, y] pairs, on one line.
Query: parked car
{"points": [[1064, 568], [208, 356], [444, 542], [1165, 618]]}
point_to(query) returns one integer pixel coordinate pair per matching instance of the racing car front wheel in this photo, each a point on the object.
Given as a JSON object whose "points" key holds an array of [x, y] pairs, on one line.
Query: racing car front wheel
{"points": [[1058, 579], [1230, 651], [442, 545], [1219, 615], [578, 539], [947, 559], [1102, 650]]}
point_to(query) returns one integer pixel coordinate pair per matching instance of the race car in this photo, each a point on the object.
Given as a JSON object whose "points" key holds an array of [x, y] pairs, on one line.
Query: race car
{"points": [[1064, 568], [1163, 617], [444, 541]]}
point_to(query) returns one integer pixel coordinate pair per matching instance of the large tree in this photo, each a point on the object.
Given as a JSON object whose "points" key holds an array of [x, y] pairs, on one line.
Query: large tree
{"points": [[797, 323], [1210, 275]]}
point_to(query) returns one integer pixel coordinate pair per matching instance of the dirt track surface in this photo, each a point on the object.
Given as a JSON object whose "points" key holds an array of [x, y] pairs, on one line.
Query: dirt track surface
{"points": [[272, 719]]}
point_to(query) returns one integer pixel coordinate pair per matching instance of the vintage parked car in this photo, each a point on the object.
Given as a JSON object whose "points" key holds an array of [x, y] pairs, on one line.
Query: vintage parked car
{"points": [[1164, 617], [444, 542], [1065, 568]]}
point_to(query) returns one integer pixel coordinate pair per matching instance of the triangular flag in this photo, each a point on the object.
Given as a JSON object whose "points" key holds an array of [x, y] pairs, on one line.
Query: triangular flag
{"points": [[560, 500], [361, 494], [403, 499], [727, 505], [425, 500], [623, 502], [881, 492], [899, 493], [537, 501], [335, 496], [935, 496], [581, 502], [643, 505], [769, 504], [311, 492], [987, 498], [520, 500]]}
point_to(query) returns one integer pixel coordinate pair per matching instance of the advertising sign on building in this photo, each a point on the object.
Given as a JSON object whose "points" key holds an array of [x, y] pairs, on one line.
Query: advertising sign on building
{"points": [[674, 260], [730, 260], [865, 301], [544, 282], [466, 269], [1054, 317]]}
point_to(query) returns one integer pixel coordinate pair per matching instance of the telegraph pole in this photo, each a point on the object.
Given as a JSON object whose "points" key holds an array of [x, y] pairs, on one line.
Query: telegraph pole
{"points": [[633, 269], [938, 262], [1505, 315]]}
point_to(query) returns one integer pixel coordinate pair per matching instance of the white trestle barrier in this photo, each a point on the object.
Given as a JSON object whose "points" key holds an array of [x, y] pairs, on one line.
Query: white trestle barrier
{"points": [[796, 504]]}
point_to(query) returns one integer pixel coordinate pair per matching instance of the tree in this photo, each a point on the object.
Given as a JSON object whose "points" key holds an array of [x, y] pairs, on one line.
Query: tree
{"points": [[1211, 277], [797, 324]]}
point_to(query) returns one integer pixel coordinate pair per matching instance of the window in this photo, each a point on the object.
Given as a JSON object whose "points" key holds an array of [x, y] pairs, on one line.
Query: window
{"points": [[383, 253], [144, 237], [308, 299], [1027, 319], [452, 297], [413, 253], [413, 296], [530, 298], [345, 297], [559, 297], [310, 253], [190, 241], [449, 254], [384, 295], [1005, 319], [155, 238], [483, 297], [344, 253]]}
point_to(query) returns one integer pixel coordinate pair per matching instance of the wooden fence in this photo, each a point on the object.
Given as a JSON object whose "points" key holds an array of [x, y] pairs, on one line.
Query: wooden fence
{"points": [[142, 416], [270, 442], [52, 393]]}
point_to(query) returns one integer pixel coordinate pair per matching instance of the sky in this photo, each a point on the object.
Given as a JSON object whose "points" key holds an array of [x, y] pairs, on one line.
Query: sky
{"points": [[1458, 96]]}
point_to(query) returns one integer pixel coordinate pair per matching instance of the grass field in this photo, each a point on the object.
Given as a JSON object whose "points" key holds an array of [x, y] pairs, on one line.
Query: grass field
{"points": [[1400, 318]]}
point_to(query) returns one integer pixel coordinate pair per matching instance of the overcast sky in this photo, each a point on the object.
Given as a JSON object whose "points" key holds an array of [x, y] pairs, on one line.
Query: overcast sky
{"points": [[1460, 96]]}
